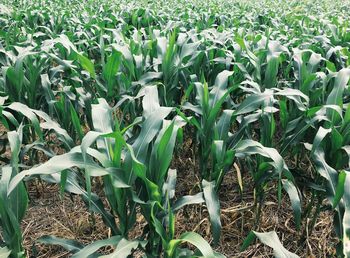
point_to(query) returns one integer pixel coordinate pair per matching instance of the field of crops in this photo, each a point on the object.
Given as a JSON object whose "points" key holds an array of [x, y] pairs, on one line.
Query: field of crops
{"points": [[179, 128]]}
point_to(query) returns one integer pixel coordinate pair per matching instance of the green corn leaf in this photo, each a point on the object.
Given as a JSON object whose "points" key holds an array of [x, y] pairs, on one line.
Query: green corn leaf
{"points": [[189, 49], [337, 139], [196, 240], [150, 128], [271, 72], [271, 239], [339, 191], [248, 241], [91, 249], [87, 65], [103, 123], [27, 112], [169, 185], [219, 89], [76, 122], [213, 206], [341, 80], [327, 172], [162, 152], [292, 191], [68, 244], [252, 103], [111, 68], [124, 249], [60, 163], [10, 213], [213, 113], [187, 200], [336, 95], [223, 125], [321, 134], [250, 147], [49, 124], [18, 200]]}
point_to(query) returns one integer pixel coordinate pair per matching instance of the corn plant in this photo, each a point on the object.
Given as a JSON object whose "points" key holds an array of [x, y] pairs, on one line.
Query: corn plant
{"points": [[14, 205]]}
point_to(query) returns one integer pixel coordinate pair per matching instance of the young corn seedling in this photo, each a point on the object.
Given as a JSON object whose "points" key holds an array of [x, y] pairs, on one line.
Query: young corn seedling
{"points": [[209, 105], [336, 184], [13, 206], [156, 194]]}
